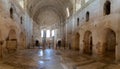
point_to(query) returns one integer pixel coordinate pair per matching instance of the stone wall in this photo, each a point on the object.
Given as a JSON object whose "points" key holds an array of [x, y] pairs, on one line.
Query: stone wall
{"points": [[13, 31], [97, 25]]}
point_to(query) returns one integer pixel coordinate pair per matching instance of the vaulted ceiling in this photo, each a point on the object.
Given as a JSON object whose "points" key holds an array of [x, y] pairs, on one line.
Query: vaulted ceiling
{"points": [[48, 12]]}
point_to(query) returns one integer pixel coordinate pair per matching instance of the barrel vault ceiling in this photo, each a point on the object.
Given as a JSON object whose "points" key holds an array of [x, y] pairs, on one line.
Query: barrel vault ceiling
{"points": [[49, 12]]}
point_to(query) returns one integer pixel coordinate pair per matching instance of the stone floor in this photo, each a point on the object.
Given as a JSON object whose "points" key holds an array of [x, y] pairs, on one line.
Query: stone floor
{"points": [[53, 59], [74, 60], [32, 59]]}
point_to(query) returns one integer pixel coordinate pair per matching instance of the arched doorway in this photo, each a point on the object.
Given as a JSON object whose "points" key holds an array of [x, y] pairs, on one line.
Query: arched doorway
{"points": [[77, 41], [22, 41], [88, 42], [110, 43], [11, 41]]}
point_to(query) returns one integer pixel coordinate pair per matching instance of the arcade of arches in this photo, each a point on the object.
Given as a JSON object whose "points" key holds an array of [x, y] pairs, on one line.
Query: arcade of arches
{"points": [[59, 34]]}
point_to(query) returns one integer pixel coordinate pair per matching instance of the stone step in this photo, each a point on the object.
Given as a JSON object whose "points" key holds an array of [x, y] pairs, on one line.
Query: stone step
{"points": [[73, 64], [4, 66], [112, 66], [73, 60], [95, 65]]}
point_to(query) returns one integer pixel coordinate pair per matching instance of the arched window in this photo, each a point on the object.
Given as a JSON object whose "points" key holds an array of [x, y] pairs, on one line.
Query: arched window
{"points": [[48, 33], [87, 16], [21, 20], [11, 12], [42, 33], [68, 12], [78, 21], [107, 8], [53, 33]]}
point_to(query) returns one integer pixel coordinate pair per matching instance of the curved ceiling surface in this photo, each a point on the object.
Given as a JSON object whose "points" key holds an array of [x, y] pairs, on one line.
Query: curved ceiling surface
{"points": [[48, 12]]}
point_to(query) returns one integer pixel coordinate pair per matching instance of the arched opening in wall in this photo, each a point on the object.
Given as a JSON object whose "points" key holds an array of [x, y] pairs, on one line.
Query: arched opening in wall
{"points": [[11, 12], [78, 21], [22, 41], [77, 41], [110, 44], [88, 43], [11, 41], [87, 16], [107, 8]]}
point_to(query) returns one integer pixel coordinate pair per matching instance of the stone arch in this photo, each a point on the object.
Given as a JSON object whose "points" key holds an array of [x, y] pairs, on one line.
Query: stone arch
{"points": [[88, 42], [11, 41], [107, 7], [110, 43], [22, 41], [77, 41]]}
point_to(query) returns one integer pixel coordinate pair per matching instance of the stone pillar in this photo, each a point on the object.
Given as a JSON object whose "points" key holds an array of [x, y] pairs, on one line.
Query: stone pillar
{"points": [[73, 42], [98, 42], [44, 39]]}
